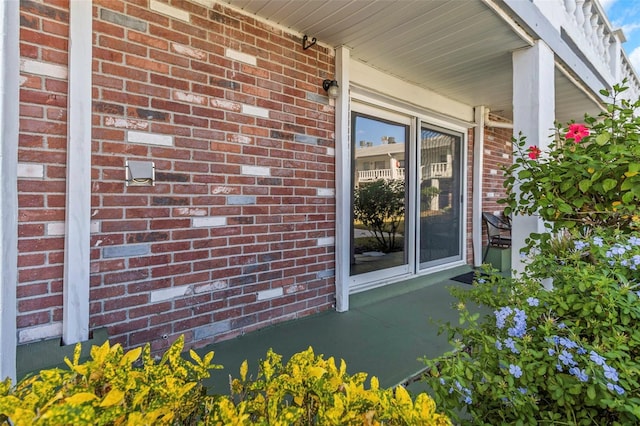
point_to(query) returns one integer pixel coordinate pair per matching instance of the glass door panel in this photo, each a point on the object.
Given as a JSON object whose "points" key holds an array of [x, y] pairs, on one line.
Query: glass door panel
{"points": [[440, 201], [379, 194]]}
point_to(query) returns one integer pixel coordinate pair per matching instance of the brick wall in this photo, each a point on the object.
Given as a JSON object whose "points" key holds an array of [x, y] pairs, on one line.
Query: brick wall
{"points": [[497, 154], [41, 169], [238, 231]]}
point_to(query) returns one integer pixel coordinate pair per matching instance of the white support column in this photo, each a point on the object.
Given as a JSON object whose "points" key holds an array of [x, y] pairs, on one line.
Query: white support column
{"points": [[75, 326], [477, 196], [533, 115], [343, 182], [9, 128]]}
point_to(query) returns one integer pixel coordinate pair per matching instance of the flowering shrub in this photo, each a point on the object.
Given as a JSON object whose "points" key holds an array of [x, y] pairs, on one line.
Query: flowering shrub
{"points": [[590, 176], [570, 355]]}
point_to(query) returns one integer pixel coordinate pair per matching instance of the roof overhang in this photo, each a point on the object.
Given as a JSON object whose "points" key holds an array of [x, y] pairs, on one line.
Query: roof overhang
{"points": [[461, 50]]}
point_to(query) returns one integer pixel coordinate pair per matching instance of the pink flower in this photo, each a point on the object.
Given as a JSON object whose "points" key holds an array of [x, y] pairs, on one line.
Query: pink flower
{"points": [[577, 132], [534, 152]]}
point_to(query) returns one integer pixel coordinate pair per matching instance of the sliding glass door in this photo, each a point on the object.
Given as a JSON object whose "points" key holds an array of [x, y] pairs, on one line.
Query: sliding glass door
{"points": [[406, 196], [440, 195], [379, 194]]}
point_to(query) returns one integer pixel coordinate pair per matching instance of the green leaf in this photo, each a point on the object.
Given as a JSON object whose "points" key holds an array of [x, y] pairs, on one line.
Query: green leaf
{"points": [[524, 174], [626, 185], [603, 138], [584, 185], [591, 392], [564, 186], [565, 208], [609, 184]]}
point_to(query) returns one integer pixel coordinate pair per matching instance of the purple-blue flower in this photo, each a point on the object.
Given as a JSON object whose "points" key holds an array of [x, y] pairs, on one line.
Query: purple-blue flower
{"points": [[596, 358], [580, 374], [567, 358], [597, 241], [617, 388], [501, 316], [532, 301], [579, 245], [519, 328], [515, 371], [610, 373], [616, 250], [509, 343], [567, 343]]}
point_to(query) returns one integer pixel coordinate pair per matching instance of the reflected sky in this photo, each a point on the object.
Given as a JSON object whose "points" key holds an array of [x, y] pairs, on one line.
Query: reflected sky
{"points": [[370, 131]]}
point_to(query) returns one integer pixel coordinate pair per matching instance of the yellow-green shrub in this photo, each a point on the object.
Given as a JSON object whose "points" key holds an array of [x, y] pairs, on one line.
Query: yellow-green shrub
{"points": [[310, 390], [112, 387], [117, 388]]}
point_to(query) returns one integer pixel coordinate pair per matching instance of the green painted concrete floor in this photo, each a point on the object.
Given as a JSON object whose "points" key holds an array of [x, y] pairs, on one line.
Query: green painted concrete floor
{"points": [[384, 333]]}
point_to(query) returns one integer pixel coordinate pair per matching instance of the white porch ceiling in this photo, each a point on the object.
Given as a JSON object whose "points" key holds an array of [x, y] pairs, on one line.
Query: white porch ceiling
{"points": [[459, 49]]}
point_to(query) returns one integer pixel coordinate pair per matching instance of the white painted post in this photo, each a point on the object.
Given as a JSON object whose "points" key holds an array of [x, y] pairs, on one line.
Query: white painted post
{"points": [[9, 128], [435, 201], [533, 115], [477, 196], [343, 182], [75, 326], [393, 168]]}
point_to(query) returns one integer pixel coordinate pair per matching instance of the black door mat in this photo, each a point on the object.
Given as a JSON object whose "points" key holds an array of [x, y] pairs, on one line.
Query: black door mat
{"points": [[466, 278]]}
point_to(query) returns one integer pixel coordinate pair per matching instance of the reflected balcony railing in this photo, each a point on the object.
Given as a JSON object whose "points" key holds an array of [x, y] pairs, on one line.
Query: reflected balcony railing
{"points": [[432, 171]]}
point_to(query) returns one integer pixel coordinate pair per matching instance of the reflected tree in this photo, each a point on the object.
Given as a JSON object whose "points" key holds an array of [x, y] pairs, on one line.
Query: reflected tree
{"points": [[380, 207]]}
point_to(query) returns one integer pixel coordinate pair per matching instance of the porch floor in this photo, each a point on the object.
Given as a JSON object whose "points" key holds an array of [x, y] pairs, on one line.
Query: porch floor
{"points": [[384, 333]]}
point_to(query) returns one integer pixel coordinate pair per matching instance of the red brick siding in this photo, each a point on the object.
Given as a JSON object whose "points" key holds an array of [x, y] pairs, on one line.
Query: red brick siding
{"points": [[169, 77], [497, 155], [43, 99]]}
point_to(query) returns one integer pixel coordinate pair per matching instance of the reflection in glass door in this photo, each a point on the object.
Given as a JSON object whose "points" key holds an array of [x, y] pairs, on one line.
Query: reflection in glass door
{"points": [[440, 215], [379, 194]]}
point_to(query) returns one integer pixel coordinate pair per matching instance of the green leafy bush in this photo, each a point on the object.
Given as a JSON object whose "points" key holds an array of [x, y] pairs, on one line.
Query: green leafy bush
{"points": [[566, 356], [590, 175], [114, 388], [569, 354]]}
